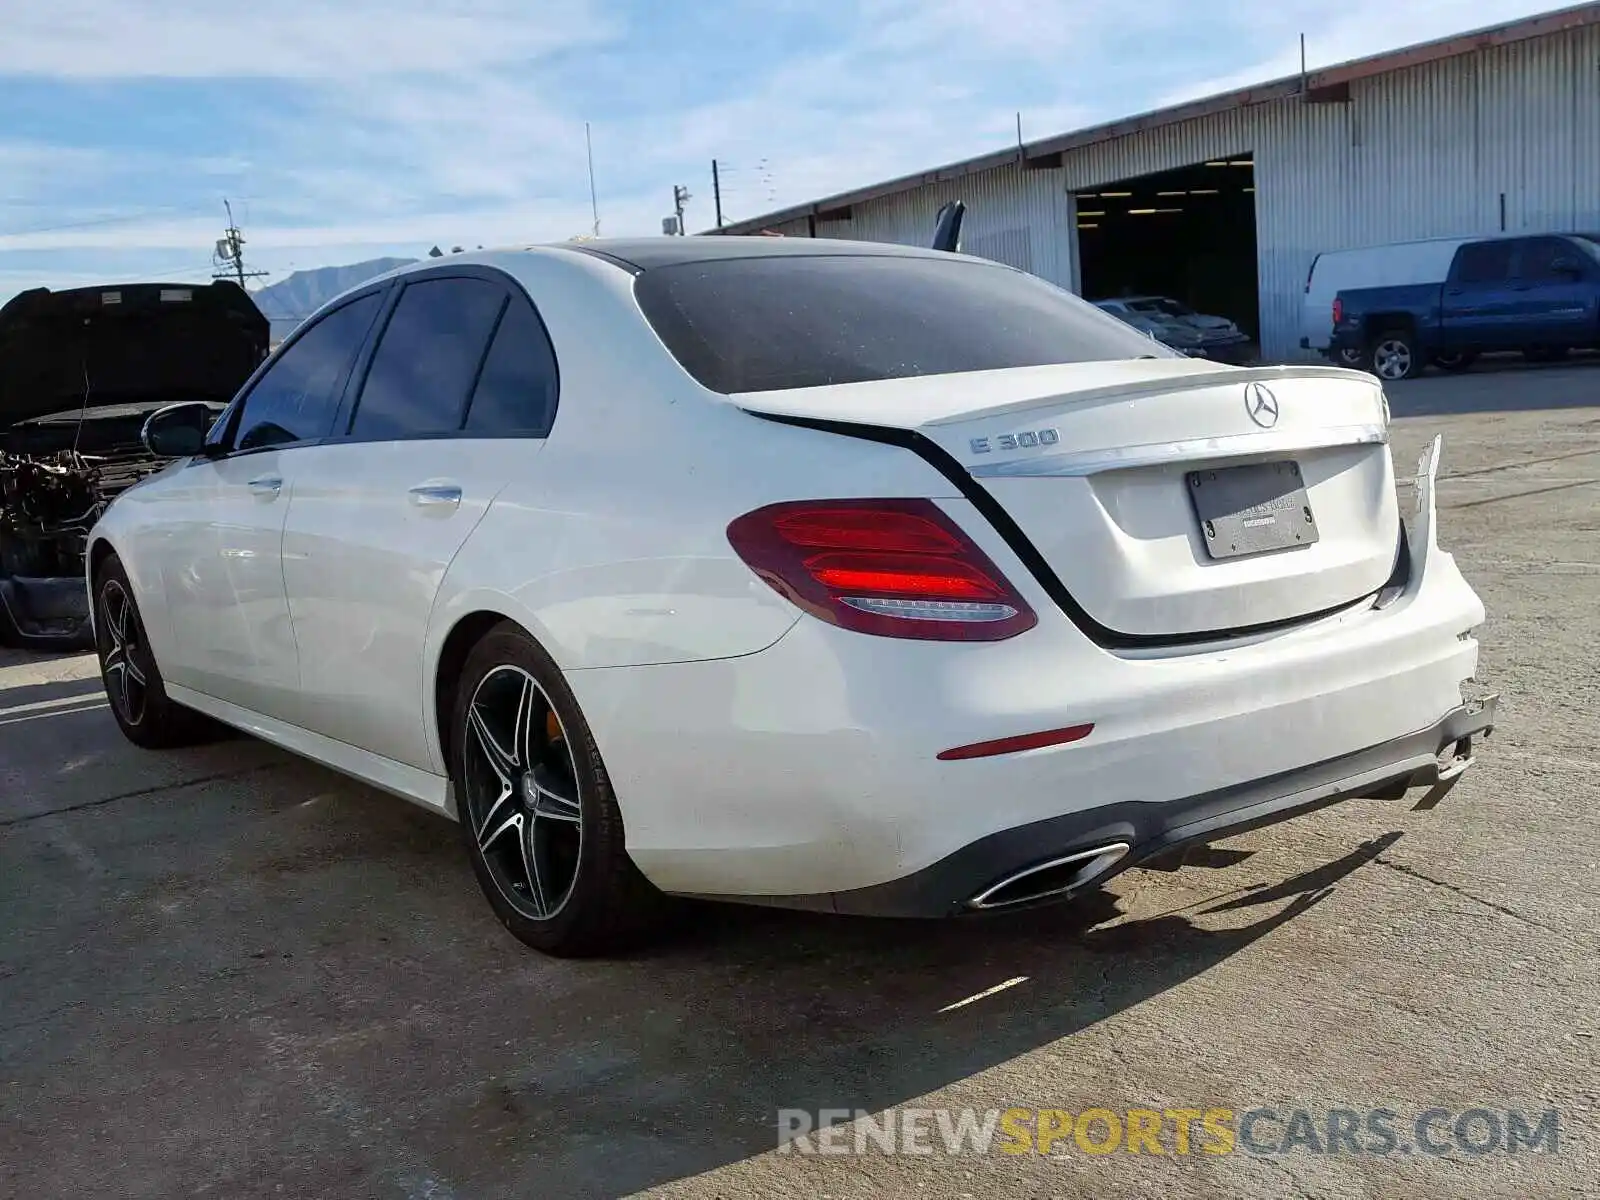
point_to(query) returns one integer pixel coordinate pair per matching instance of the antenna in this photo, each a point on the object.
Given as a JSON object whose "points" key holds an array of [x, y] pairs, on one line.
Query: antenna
{"points": [[228, 258], [594, 203]]}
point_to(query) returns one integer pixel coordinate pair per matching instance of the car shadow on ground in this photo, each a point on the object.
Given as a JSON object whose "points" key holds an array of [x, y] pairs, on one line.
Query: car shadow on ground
{"points": [[1499, 385], [287, 983]]}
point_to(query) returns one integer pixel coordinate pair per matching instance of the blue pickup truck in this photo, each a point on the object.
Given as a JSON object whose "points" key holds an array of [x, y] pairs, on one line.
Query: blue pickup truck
{"points": [[1538, 295]]}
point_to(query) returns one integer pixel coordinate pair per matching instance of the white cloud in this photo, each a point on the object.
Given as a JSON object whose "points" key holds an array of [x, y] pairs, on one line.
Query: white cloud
{"points": [[409, 122], [1354, 29], [287, 38]]}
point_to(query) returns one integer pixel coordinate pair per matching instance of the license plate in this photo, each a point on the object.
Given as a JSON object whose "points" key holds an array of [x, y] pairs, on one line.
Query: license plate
{"points": [[1252, 509]]}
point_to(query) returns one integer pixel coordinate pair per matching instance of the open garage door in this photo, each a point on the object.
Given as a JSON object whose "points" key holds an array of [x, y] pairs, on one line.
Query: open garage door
{"points": [[1188, 234]]}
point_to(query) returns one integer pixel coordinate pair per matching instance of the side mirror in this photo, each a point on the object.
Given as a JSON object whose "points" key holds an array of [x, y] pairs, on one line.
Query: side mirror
{"points": [[1567, 268], [177, 431]]}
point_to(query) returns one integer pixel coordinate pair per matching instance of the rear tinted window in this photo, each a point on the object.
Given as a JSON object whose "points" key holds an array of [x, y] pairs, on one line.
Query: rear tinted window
{"points": [[516, 391], [766, 324], [424, 366]]}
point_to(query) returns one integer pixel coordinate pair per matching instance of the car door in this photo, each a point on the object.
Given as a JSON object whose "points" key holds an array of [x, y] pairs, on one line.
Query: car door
{"points": [[222, 528], [1477, 302], [456, 397], [1555, 294]]}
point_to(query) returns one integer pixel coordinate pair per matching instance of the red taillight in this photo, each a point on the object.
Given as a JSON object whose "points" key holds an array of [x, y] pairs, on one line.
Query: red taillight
{"points": [[897, 568], [1338, 310]]}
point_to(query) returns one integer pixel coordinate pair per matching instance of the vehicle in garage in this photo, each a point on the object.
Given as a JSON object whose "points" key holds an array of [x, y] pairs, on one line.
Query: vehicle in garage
{"points": [[1539, 295], [1175, 324], [80, 370], [831, 575]]}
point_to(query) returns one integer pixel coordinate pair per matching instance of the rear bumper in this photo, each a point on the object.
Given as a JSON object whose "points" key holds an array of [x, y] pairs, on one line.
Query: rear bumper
{"points": [[807, 774], [976, 877]]}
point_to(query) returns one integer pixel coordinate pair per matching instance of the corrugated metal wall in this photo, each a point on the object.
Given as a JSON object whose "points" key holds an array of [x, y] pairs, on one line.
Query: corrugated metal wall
{"points": [[1015, 216], [1423, 152]]}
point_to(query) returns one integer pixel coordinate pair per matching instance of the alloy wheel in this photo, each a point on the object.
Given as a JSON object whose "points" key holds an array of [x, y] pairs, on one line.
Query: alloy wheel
{"points": [[1391, 359], [126, 685], [520, 786]]}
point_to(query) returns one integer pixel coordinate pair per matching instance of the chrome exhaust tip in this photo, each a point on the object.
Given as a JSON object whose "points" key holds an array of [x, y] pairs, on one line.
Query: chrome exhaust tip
{"points": [[1052, 878]]}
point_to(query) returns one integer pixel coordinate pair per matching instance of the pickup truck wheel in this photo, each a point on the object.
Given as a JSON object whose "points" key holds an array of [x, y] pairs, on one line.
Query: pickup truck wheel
{"points": [[1394, 355], [1350, 356], [1454, 362]]}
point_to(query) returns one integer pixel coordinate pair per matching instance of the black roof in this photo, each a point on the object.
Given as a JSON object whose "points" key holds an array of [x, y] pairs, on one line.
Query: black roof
{"points": [[643, 254]]}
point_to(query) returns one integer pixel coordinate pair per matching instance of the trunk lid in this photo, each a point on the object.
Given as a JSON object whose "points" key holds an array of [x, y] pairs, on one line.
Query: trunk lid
{"points": [[1113, 470]]}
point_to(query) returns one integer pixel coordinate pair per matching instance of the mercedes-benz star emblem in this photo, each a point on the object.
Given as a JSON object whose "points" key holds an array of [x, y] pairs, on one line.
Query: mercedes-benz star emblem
{"points": [[1261, 404]]}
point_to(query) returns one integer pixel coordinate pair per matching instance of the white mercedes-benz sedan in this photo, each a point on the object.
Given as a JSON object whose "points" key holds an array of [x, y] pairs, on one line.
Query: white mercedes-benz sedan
{"points": [[820, 574]]}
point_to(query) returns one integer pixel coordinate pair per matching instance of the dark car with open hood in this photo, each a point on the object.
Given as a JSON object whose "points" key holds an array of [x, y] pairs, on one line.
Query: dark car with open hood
{"points": [[80, 371]]}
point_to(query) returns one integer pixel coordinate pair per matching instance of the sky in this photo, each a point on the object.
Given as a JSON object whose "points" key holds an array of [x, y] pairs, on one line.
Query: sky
{"points": [[344, 130]]}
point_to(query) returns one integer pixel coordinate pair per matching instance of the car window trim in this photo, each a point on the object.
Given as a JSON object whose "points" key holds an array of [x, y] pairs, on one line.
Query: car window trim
{"points": [[235, 411]]}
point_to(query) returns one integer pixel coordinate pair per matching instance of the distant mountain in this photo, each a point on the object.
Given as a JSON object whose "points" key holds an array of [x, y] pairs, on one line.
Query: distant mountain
{"points": [[293, 299]]}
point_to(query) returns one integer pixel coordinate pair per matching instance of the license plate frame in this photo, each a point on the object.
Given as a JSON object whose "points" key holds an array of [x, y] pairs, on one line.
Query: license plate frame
{"points": [[1256, 508]]}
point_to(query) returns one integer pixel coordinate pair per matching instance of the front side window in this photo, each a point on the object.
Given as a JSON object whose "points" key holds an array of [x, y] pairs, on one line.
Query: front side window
{"points": [[765, 323], [295, 400], [1484, 262], [427, 359]]}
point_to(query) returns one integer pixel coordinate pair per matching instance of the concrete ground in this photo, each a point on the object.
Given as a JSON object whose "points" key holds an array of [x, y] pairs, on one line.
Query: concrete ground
{"points": [[226, 972]]}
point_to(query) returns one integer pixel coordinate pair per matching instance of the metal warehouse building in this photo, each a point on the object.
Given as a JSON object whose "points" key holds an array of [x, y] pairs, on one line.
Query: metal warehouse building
{"points": [[1225, 202]]}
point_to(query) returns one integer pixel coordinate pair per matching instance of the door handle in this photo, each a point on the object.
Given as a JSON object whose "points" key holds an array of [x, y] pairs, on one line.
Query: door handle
{"points": [[436, 495], [266, 486]]}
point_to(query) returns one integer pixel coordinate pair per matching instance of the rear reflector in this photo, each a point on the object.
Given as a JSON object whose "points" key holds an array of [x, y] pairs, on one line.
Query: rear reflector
{"points": [[896, 568], [1013, 745]]}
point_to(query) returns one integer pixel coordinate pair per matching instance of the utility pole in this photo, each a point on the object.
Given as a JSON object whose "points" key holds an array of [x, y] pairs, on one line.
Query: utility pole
{"points": [[229, 256], [680, 197], [716, 191]]}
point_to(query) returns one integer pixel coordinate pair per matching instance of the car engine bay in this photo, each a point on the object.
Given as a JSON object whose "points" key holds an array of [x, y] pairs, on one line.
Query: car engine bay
{"points": [[80, 373], [50, 501]]}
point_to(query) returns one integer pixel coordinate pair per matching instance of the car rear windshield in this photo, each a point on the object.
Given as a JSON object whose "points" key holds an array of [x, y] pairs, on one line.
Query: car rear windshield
{"points": [[793, 321]]}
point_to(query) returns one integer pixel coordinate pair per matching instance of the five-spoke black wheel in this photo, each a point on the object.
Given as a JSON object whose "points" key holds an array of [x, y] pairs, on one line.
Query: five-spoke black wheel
{"points": [[139, 701], [127, 686], [520, 792], [536, 807]]}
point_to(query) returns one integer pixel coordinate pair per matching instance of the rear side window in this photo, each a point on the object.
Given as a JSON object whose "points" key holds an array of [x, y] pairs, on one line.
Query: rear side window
{"points": [[770, 323], [516, 393], [428, 358], [1484, 262], [1543, 258], [294, 401]]}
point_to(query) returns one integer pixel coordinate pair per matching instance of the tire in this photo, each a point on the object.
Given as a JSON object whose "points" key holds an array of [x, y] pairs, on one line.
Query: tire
{"points": [[1349, 356], [541, 823], [144, 712], [1455, 363], [1394, 354]]}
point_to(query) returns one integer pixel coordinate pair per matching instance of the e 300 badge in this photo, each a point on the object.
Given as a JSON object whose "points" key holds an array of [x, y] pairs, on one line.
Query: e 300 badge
{"points": [[1024, 440]]}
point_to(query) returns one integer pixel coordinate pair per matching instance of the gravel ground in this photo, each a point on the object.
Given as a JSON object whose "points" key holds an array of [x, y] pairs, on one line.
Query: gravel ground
{"points": [[224, 971]]}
